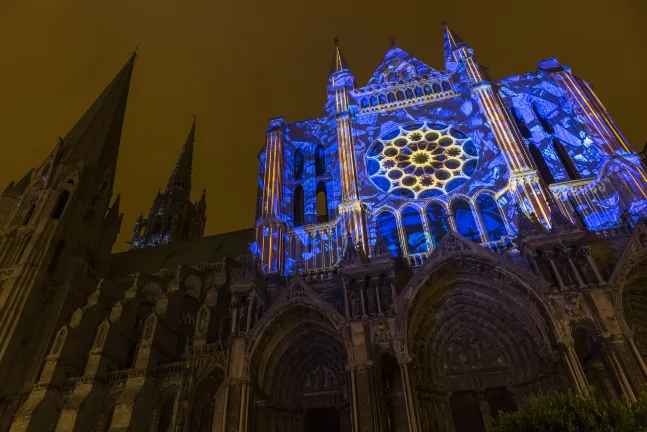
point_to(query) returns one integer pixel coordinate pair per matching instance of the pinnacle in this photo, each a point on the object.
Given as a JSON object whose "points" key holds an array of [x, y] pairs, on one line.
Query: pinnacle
{"points": [[339, 62], [182, 172]]}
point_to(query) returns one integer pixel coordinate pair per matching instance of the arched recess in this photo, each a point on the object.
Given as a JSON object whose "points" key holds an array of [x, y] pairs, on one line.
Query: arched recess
{"points": [[566, 160], [388, 227], [589, 353], [61, 203], [298, 164], [298, 215], [203, 402], [465, 222], [299, 372], [438, 221], [491, 217], [544, 172], [634, 305], [320, 161], [488, 344], [414, 231], [321, 204]]}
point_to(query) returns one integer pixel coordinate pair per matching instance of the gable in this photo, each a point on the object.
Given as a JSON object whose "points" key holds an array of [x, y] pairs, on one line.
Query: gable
{"points": [[399, 65]]}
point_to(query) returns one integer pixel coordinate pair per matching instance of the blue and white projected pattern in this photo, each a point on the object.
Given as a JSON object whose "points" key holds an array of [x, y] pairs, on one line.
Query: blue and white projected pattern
{"points": [[421, 161]]}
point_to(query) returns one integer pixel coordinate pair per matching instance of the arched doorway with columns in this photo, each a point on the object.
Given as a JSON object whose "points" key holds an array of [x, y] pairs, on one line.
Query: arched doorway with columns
{"points": [[481, 341], [299, 375]]}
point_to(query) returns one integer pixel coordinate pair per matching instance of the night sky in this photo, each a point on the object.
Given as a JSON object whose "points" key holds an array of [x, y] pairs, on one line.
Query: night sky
{"points": [[236, 64]]}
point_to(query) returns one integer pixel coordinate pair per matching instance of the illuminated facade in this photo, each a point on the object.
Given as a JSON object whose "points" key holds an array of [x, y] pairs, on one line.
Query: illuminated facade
{"points": [[439, 246]]}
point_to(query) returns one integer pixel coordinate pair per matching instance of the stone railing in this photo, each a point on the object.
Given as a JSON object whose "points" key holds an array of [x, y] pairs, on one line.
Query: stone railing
{"points": [[399, 94], [170, 370]]}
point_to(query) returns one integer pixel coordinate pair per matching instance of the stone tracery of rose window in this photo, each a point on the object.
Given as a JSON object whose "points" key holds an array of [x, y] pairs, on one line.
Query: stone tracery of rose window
{"points": [[421, 161]]}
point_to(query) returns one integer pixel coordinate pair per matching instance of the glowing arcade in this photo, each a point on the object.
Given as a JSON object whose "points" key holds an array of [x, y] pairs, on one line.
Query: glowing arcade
{"points": [[419, 152]]}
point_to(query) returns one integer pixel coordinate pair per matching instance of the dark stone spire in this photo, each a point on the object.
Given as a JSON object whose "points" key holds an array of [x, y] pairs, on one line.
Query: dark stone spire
{"points": [[558, 221], [181, 176], [351, 254], [94, 140]]}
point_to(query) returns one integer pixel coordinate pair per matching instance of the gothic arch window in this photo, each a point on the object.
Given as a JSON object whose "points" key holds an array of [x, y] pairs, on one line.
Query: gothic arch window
{"points": [[521, 125], [541, 165], [29, 214], [545, 124], [465, 222], [438, 221], [491, 217], [298, 165], [409, 94], [60, 246], [391, 97], [400, 95], [427, 89], [297, 210], [166, 414], [382, 99], [365, 103], [385, 292], [414, 231], [369, 296], [437, 88], [107, 418], [389, 230], [589, 353], [446, 86], [320, 161], [322, 203], [60, 204], [373, 100], [419, 92], [566, 160]]}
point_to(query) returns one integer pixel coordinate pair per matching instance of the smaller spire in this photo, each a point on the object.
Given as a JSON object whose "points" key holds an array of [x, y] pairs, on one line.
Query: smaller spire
{"points": [[351, 253], [182, 171], [452, 40], [339, 63], [249, 270], [391, 42], [525, 225]]}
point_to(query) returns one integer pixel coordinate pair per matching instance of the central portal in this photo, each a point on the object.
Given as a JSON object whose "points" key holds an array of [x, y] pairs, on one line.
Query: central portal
{"points": [[322, 420]]}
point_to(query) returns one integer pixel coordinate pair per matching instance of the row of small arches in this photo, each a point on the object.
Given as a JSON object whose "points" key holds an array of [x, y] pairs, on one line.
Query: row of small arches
{"points": [[412, 231], [409, 93]]}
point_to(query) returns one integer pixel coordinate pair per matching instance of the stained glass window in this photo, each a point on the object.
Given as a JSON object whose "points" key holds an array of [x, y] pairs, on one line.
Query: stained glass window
{"points": [[414, 231]]}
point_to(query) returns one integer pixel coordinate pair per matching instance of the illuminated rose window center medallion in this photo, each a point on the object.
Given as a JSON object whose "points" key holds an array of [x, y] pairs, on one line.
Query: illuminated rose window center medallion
{"points": [[421, 161]]}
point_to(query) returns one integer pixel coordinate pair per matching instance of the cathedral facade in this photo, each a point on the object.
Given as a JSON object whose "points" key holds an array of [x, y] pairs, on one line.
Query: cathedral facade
{"points": [[438, 247]]}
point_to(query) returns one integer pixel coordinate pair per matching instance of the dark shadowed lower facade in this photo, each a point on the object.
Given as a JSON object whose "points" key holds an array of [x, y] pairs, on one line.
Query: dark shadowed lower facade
{"points": [[436, 248]]}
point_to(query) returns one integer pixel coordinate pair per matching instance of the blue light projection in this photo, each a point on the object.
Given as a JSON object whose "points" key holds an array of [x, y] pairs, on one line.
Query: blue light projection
{"points": [[416, 240], [491, 217], [421, 138], [389, 231]]}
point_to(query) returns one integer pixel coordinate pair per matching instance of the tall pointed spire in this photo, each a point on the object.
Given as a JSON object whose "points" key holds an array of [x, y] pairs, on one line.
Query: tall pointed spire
{"points": [[339, 62], [452, 40], [94, 140], [182, 172]]}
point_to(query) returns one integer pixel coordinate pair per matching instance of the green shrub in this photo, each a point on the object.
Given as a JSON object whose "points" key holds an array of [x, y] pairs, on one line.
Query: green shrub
{"points": [[575, 413]]}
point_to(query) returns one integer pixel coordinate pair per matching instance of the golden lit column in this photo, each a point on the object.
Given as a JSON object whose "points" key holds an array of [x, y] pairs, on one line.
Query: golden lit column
{"points": [[351, 209], [524, 179], [270, 230]]}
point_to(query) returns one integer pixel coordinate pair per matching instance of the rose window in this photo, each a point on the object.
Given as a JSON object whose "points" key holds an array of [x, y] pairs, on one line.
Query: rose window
{"points": [[421, 161]]}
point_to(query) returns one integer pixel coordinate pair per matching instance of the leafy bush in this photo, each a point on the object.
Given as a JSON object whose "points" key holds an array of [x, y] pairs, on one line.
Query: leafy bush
{"points": [[575, 413]]}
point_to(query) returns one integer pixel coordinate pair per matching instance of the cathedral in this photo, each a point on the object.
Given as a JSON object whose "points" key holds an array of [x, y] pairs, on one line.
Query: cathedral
{"points": [[435, 249]]}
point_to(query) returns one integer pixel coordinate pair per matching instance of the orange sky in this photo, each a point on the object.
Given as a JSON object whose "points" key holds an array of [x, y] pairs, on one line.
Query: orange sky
{"points": [[236, 64]]}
